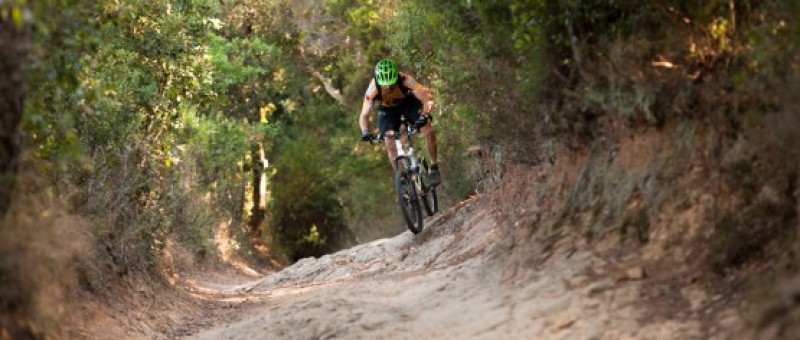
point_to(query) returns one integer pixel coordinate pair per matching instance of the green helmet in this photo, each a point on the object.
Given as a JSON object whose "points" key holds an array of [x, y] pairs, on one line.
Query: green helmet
{"points": [[386, 72]]}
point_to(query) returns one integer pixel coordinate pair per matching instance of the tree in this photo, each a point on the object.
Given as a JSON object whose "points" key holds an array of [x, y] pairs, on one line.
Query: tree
{"points": [[13, 52]]}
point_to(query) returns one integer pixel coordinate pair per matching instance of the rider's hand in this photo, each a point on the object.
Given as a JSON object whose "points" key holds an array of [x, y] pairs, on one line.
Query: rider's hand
{"points": [[366, 136], [421, 121]]}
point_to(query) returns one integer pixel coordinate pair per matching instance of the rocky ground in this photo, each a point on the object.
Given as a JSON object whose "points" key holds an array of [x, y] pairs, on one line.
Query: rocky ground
{"points": [[457, 279]]}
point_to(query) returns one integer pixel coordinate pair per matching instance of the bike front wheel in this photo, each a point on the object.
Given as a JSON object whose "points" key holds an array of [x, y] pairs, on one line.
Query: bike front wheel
{"points": [[407, 197]]}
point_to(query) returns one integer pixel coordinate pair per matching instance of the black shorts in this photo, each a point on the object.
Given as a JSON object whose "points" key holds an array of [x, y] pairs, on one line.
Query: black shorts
{"points": [[389, 117]]}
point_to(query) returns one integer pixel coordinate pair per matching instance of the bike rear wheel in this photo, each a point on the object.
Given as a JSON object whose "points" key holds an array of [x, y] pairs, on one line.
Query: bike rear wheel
{"points": [[407, 197], [429, 199]]}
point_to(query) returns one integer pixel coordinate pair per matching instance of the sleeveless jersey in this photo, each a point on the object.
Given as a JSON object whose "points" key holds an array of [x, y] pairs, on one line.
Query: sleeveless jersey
{"points": [[393, 95]]}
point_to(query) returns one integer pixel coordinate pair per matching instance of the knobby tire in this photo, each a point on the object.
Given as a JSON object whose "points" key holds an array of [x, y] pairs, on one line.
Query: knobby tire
{"points": [[407, 197]]}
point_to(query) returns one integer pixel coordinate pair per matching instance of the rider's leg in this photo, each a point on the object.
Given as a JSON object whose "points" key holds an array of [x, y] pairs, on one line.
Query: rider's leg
{"points": [[391, 149], [430, 141], [412, 108], [389, 123]]}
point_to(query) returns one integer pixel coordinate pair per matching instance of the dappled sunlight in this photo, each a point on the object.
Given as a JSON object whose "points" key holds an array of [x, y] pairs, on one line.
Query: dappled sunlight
{"points": [[610, 169], [226, 248]]}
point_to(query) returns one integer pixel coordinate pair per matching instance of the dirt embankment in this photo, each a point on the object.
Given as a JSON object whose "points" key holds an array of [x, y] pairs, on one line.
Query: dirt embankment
{"points": [[621, 240], [455, 280]]}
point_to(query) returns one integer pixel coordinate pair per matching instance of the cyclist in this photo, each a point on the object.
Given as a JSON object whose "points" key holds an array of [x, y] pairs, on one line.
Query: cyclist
{"points": [[398, 94]]}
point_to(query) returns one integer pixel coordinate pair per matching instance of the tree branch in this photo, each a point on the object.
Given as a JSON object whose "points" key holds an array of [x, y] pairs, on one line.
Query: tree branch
{"points": [[573, 41], [329, 88]]}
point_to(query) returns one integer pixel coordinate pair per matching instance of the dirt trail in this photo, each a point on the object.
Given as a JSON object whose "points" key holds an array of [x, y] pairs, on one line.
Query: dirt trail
{"points": [[453, 280]]}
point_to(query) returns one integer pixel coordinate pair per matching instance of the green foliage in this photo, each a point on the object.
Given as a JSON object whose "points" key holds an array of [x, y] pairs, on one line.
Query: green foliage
{"points": [[308, 217], [130, 98], [218, 147], [226, 58]]}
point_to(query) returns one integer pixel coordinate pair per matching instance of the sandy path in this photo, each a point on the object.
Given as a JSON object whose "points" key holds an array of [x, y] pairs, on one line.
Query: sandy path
{"points": [[451, 281]]}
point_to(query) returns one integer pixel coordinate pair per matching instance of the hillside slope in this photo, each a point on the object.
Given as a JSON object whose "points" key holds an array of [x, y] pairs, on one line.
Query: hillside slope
{"points": [[624, 239], [646, 236], [456, 280]]}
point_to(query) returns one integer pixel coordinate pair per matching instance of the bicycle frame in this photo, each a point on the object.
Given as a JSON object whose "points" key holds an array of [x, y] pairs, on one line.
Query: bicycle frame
{"points": [[401, 150], [411, 179], [404, 152]]}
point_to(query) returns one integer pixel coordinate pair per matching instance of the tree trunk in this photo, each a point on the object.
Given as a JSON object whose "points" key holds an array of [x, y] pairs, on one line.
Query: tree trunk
{"points": [[258, 211], [13, 50]]}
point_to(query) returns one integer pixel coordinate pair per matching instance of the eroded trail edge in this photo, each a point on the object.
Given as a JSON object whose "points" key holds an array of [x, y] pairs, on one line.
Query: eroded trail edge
{"points": [[453, 280]]}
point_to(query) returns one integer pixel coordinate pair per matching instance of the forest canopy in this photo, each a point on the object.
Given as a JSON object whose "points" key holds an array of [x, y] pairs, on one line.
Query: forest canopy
{"points": [[132, 131], [159, 119]]}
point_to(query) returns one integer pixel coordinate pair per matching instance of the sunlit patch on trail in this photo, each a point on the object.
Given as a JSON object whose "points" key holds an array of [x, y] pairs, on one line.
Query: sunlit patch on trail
{"points": [[226, 247]]}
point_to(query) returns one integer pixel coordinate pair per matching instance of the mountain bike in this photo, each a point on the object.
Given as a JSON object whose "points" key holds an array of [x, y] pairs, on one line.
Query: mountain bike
{"points": [[411, 180]]}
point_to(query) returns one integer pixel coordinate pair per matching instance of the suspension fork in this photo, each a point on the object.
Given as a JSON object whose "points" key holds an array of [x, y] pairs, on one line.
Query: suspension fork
{"points": [[402, 153]]}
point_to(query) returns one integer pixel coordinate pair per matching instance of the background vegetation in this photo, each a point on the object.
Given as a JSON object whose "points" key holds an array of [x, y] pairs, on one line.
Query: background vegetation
{"points": [[154, 121]]}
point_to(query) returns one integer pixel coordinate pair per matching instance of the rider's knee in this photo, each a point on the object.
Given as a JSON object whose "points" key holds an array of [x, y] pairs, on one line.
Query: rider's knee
{"points": [[387, 139]]}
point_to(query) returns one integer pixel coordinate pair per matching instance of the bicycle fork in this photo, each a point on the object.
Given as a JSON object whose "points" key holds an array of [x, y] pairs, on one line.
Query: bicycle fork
{"points": [[413, 169]]}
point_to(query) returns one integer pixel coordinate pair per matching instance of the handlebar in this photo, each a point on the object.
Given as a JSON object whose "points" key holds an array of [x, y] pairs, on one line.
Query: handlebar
{"points": [[408, 130]]}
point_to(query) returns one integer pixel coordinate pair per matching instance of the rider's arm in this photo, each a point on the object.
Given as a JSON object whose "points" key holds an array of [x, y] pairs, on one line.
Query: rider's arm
{"points": [[422, 93], [369, 97]]}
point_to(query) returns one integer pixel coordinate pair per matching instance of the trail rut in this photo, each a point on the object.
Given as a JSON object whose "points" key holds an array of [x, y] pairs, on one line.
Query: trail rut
{"points": [[453, 280]]}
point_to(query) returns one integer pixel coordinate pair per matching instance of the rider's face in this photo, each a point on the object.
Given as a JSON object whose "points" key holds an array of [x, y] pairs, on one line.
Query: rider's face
{"points": [[388, 87]]}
